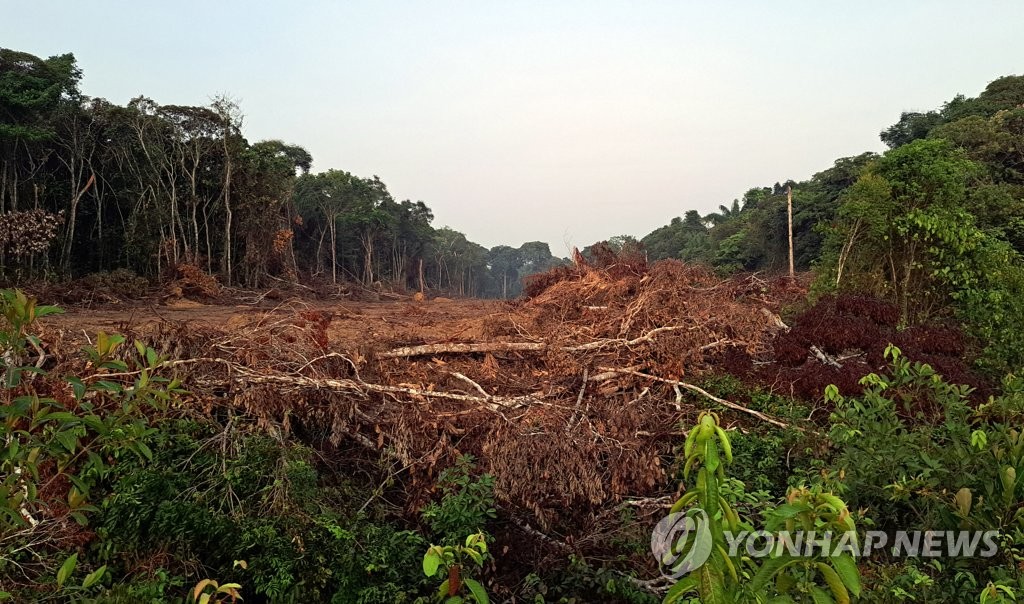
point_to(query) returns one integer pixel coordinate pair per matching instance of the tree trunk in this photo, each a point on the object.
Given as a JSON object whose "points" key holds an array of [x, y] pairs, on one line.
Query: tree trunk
{"points": [[69, 235], [421, 276], [334, 251], [845, 252], [226, 257]]}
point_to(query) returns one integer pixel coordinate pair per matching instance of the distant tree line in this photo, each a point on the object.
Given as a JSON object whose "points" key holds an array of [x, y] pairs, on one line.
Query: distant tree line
{"points": [[935, 224], [88, 186], [751, 233]]}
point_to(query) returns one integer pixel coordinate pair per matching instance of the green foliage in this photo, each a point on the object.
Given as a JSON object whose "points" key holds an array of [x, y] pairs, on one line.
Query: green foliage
{"points": [[66, 451], [914, 453], [255, 498], [144, 187], [181, 493], [767, 460], [451, 561], [984, 276], [583, 583], [466, 504], [784, 577]]}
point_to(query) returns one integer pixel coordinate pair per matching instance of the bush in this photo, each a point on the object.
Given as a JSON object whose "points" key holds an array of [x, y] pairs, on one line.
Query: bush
{"points": [[913, 452]]}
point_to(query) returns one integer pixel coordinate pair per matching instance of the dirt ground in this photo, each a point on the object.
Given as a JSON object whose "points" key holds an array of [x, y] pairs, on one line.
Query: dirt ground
{"points": [[353, 324]]}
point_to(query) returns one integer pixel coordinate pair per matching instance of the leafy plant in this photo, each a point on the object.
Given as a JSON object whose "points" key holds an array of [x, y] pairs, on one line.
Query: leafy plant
{"points": [[466, 504], [63, 437], [914, 453], [451, 562], [792, 574]]}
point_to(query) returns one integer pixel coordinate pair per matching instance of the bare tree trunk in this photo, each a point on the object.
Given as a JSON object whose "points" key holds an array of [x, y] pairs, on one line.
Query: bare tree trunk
{"points": [[209, 245], [334, 251], [845, 252], [367, 258], [226, 258], [14, 190], [421, 276], [320, 251], [69, 235], [3, 189]]}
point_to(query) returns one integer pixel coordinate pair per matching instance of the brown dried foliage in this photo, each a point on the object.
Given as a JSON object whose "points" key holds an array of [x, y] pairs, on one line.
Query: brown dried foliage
{"points": [[854, 331], [564, 448]]}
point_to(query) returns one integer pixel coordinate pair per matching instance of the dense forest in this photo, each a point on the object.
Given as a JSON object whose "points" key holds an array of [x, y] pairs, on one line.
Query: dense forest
{"points": [[88, 186], [409, 448]]}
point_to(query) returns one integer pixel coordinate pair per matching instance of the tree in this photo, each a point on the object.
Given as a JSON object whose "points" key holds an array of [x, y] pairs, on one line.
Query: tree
{"points": [[231, 142], [32, 91], [323, 199], [504, 261]]}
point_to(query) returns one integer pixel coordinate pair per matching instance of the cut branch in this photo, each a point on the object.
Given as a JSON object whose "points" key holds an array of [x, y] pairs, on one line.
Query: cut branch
{"points": [[702, 392]]}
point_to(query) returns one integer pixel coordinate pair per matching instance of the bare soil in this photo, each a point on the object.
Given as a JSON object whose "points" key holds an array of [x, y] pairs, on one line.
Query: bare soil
{"points": [[353, 324]]}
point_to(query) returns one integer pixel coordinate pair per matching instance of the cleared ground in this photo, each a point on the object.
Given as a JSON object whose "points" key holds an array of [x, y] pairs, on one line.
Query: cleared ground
{"points": [[352, 324]]}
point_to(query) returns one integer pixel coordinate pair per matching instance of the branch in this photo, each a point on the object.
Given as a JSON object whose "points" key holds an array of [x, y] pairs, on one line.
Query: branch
{"points": [[825, 358], [702, 392]]}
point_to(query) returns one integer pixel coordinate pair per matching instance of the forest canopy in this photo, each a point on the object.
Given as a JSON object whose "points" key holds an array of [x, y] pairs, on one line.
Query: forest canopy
{"points": [[89, 186]]}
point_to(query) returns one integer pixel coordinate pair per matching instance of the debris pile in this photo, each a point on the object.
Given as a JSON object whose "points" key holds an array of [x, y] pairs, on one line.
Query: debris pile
{"points": [[569, 398]]}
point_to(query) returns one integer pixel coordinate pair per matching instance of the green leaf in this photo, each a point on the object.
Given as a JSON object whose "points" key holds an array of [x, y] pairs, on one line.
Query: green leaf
{"points": [[769, 569], [60, 416], [789, 510], [68, 439], [107, 386], [680, 589], [712, 584], [94, 423], [846, 567], [478, 591], [430, 563], [66, 569], [711, 460], [93, 577], [831, 577], [821, 596], [144, 450], [42, 311]]}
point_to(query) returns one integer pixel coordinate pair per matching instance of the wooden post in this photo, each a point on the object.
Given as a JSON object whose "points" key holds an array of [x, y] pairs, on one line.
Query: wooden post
{"points": [[789, 204]]}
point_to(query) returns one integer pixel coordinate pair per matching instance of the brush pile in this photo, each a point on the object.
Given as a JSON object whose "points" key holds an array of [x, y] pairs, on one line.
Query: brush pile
{"points": [[569, 398]]}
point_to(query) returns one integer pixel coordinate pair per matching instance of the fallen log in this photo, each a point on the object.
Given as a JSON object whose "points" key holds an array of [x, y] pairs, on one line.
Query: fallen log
{"points": [[476, 347]]}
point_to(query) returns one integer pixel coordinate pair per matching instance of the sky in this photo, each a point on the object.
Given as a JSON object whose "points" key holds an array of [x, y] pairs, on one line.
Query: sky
{"points": [[560, 121]]}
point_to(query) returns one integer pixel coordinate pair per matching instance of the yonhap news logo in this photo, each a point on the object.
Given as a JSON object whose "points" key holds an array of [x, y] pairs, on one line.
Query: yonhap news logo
{"points": [[682, 542]]}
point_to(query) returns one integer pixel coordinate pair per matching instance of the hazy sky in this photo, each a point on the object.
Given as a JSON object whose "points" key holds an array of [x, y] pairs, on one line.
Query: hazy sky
{"points": [[562, 121]]}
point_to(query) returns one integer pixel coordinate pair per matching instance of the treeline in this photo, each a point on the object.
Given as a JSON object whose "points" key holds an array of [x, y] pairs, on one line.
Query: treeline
{"points": [[935, 224], [89, 186], [751, 232]]}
